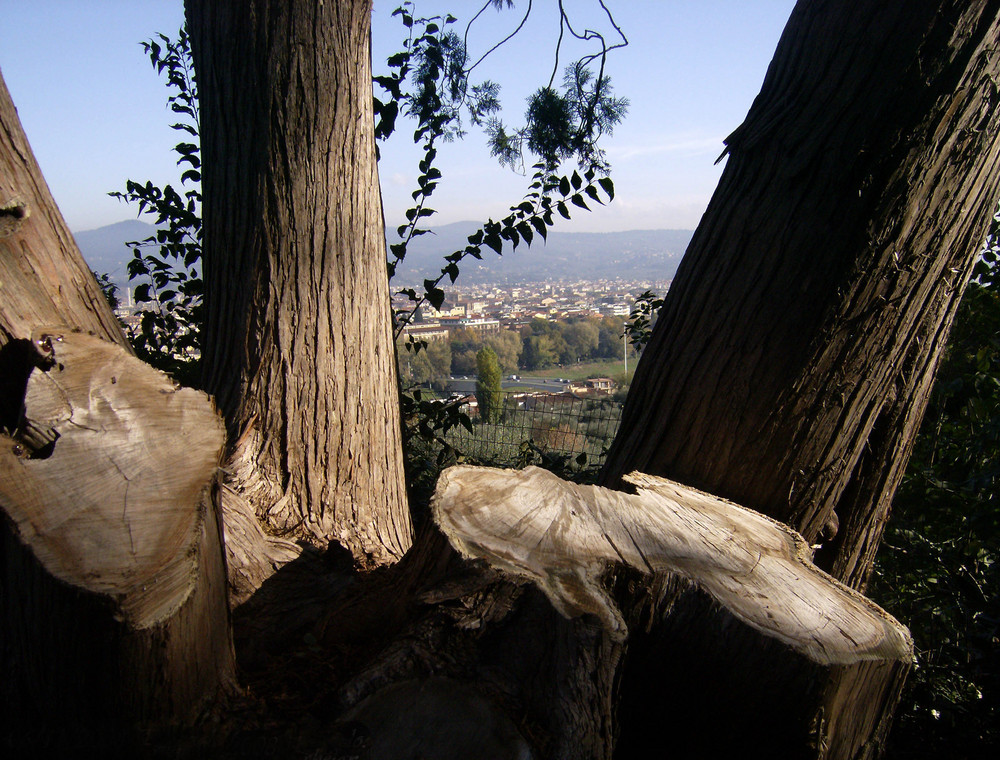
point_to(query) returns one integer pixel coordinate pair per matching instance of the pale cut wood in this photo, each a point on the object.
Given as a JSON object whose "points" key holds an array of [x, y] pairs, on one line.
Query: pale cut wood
{"points": [[113, 508], [114, 586], [564, 537]]}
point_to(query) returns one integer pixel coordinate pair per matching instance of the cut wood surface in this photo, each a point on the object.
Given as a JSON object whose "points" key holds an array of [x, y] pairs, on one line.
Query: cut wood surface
{"points": [[112, 505], [113, 611], [563, 537]]}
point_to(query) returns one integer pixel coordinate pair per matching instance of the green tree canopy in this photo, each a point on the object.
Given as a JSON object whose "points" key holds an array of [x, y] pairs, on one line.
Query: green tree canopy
{"points": [[488, 388]]}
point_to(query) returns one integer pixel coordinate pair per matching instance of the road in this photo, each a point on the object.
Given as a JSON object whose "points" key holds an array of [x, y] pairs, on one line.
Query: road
{"points": [[458, 385]]}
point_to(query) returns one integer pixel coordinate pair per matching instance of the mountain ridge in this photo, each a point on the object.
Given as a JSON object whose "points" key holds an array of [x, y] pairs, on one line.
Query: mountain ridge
{"points": [[628, 255]]}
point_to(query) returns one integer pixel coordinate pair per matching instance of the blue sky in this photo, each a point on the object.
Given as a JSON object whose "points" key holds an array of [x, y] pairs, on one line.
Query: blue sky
{"points": [[95, 114]]}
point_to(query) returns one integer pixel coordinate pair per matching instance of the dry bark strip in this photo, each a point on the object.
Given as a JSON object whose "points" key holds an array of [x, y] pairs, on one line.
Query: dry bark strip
{"points": [[833, 654], [114, 608], [43, 277]]}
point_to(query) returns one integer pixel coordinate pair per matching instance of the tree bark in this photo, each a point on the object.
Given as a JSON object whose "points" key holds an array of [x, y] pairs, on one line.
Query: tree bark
{"points": [[112, 579], [791, 362], [298, 348], [790, 365], [113, 591], [43, 277]]}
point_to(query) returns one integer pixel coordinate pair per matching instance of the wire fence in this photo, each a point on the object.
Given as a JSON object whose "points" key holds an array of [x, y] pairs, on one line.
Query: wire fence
{"points": [[558, 423]]}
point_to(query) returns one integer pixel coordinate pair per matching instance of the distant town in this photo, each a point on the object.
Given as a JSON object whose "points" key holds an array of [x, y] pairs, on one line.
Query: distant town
{"points": [[540, 328], [492, 307]]}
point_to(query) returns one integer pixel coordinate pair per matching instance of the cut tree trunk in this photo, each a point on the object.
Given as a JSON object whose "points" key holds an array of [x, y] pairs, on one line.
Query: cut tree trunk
{"points": [[113, 608], [112, 580], [298, 347], [791, 362], [807, 664]]}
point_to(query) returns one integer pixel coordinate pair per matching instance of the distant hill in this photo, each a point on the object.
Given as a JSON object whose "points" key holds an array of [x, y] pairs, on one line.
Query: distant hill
{"points": [[104, 248], [631, 255]]}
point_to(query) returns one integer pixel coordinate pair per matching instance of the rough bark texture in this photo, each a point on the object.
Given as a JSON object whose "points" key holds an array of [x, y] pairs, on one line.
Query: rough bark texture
{"points": [[43, 277], [113, 591], [792, 359], [112, 580], [298, 347]]}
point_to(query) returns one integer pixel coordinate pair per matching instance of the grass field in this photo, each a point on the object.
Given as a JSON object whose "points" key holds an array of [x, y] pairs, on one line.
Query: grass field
{"points": [[610, 368]]}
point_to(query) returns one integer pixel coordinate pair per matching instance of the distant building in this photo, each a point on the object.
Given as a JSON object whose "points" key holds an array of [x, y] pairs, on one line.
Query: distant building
{"points": [[617, 310], [593, 386], [426, 332], [480, 325], [600, 383]]}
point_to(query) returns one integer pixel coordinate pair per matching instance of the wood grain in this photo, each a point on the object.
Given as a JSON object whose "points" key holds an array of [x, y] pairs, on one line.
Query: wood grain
{"points": [[564, 536]]}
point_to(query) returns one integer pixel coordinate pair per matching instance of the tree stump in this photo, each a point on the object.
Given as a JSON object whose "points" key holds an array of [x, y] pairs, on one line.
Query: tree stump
{"points": [[788, 662], [113, 611]]}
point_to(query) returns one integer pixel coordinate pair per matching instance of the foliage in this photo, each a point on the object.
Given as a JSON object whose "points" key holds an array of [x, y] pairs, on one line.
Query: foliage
{"points": [[431, 365], [167, 264], [562, 125], [429, 81], [569, 438], [108, 288], [489, 393], [639, 325], [938, 566]]}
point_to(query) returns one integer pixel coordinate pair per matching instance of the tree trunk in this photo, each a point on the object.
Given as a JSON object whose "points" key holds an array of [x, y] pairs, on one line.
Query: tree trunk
{"points": [[112, 578], [791, 362], [298, 347], [790, 365], [43, 277], [803, 662], [113, 591]]}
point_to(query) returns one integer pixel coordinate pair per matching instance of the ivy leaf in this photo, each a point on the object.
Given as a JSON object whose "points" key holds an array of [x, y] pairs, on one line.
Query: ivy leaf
{"points": [[540, 227], [493, 241], [435, 295], [608, 186]]}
